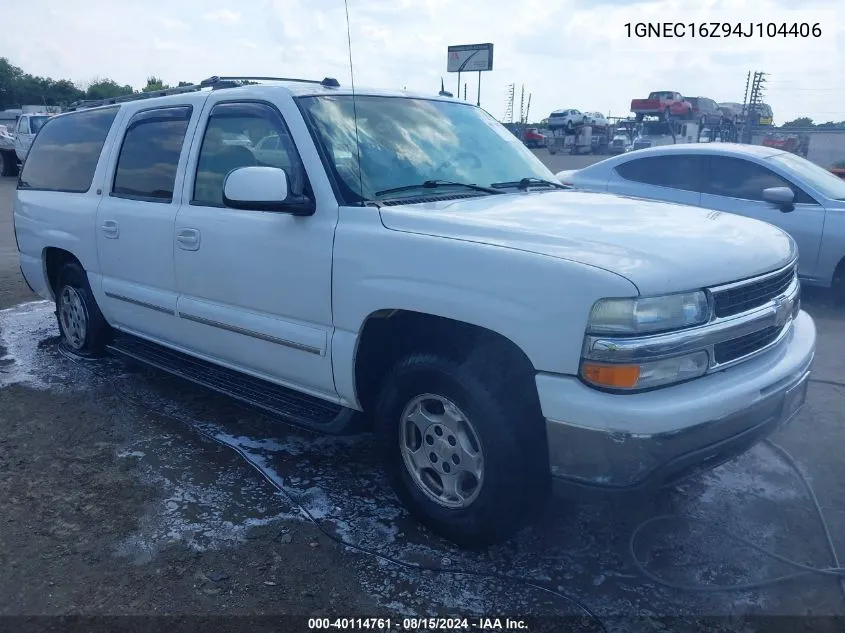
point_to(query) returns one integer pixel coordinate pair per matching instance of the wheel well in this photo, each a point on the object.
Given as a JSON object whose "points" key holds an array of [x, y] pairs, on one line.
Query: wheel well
{"points": [[54, 260], [388, 335]]}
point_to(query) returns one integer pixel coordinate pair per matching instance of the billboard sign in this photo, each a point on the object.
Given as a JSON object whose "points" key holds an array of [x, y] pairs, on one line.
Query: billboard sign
{"points": [[470, 58]]}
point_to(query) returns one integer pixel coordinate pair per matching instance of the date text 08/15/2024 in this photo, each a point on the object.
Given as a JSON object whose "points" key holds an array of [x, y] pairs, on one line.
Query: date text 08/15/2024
{"points": [[417, 624], [722, 29]]}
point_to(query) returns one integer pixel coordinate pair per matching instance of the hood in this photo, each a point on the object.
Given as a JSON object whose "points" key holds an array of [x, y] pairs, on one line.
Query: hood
{"points": [[660, 247], [565, 176]]}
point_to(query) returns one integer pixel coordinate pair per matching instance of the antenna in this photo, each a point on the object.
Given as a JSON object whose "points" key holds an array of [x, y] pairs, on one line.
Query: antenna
{"points": [[354, 106]]}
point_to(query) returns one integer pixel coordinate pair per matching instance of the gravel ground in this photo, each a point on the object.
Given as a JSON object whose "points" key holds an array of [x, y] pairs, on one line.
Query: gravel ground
{"points": [[124, 491]]}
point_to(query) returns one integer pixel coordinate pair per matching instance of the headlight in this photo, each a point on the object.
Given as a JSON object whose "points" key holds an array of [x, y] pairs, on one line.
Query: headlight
{"points": [[646, 375], [648, 315]]}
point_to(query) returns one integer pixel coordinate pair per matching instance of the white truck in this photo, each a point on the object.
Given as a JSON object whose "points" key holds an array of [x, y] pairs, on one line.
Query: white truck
{"points": [[15, 142], [404, 262], [657, 133]]}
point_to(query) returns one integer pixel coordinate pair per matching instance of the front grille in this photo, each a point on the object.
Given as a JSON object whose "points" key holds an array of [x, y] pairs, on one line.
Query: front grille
{"points": [[742, 346], [751, 295]]}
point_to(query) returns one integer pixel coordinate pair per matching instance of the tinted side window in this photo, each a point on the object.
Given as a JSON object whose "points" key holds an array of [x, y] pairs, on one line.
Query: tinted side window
{"points": [[266, 141], [146, 167], [66, 151], [737, 178], [676, 172]]}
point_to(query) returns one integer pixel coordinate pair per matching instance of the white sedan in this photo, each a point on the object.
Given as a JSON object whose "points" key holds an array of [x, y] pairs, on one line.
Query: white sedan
{"points": [[803, 199], [595, 118]]}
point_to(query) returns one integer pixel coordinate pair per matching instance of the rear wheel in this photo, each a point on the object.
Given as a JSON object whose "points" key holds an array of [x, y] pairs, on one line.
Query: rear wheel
{"points": [[461, 447], [83, 328]]}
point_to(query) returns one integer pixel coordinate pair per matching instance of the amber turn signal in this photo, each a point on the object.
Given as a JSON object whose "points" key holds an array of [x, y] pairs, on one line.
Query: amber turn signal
{"points": [[614, 376]]}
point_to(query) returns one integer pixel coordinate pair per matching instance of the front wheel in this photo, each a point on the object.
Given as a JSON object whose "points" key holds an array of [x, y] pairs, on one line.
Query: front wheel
{"points": [[83, 328], [460, 450]]}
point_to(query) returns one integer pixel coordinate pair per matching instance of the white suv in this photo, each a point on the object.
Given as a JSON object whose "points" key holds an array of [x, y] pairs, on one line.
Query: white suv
{"points": [[405, 261]]}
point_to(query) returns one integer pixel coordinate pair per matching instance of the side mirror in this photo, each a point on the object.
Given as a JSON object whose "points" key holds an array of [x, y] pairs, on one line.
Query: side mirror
{"points": [[783, 197], [264, 189]]}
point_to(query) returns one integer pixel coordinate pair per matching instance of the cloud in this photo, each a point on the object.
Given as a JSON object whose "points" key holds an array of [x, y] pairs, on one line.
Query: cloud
{"points": [[567, 53], [223, 16]]}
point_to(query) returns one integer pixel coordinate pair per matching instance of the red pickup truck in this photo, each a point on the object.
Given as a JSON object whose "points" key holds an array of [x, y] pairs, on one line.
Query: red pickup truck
{"points": [[663, 102]]}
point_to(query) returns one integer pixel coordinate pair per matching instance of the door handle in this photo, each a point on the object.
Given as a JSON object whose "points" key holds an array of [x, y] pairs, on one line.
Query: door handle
{"points": [[110, 229], [189, 239]]}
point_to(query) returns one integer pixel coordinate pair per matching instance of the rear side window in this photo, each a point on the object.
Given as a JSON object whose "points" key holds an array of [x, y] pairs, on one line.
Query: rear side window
{"points": [[675, 172], [66, 151], [149, 155]]}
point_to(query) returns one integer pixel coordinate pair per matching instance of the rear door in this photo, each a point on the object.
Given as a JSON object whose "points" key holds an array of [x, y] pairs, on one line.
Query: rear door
{"points": [[736, 185], [671, 178], [135, 220]]}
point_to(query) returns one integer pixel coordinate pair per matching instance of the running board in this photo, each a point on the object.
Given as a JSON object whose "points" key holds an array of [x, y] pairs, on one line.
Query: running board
{"points": [[289, 405]]}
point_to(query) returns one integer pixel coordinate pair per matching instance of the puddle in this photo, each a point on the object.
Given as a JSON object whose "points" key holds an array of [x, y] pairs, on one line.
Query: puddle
{"points": [[576, 548]]}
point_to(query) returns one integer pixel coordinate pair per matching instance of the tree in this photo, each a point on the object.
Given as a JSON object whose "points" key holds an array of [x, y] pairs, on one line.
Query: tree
{"points": [[18, 88], [799, 122], [154, 84], [107, 89]]}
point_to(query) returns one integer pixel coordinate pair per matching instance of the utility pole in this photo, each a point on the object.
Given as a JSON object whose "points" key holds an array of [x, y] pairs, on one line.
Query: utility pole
{"points": [[508, 118], [527, 108], [751, 108], [522, 106]]}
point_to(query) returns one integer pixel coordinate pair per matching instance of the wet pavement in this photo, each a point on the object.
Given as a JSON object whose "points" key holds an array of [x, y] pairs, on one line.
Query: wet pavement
{"points": [[577, 557]]}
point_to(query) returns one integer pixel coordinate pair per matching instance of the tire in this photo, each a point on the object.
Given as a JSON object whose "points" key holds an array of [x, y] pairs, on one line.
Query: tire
{"points": [[8, 164], [83, 328], [513, 479]]}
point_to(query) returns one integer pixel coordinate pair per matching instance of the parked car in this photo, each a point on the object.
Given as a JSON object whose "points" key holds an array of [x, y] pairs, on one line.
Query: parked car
{"points": [[762, 113], [665, 103], [567, 119], [505, 334], [730, 111], [795, 143], [759, 182], [596, 119], [705, 111], [14, 146], [533, 138]]}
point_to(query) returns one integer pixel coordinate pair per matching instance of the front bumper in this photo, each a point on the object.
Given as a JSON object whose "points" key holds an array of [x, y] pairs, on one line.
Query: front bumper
{"points": [[603, 441]]}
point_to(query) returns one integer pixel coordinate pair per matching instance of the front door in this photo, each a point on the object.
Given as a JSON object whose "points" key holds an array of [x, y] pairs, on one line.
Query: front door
{"points": [[23, 137], [255, 286], [736, 185], [135, 222]]}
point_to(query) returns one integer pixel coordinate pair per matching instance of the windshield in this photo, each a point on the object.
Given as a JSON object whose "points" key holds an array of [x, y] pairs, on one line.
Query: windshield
{"points": [[660, 95], [823, 181], [655, 128], [406, 141], [36, 123]]}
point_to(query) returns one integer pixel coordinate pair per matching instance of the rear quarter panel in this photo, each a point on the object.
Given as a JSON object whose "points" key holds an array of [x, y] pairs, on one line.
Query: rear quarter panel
{"points": [[57, 219]]}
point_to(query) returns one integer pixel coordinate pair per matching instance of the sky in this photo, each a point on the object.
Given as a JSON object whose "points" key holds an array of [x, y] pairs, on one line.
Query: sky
{"points": [[566, 53]]}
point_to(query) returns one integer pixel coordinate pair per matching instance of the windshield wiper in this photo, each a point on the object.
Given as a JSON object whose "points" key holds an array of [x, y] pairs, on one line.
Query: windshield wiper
{"points": [[433, 184], [529, 182]]}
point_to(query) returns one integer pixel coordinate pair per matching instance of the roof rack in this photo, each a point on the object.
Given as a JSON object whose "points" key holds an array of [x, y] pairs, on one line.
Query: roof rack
{"points": [[215, 83], [327, 82]]}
